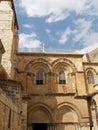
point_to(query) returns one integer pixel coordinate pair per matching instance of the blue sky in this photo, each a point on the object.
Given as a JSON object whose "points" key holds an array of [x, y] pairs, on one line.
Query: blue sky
{"points": [[58, 24]]}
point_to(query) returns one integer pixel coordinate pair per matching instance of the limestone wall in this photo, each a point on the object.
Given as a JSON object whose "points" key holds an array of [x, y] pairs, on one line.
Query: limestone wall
{"points": [[28, 63], [53, 102], [7, 30], [9, 113]]}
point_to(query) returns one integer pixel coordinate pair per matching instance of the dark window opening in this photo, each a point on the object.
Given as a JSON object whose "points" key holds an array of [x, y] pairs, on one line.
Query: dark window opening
{"points": [[39, 82], [62, 81], [62, 78], [40, 77], [39, 126]]}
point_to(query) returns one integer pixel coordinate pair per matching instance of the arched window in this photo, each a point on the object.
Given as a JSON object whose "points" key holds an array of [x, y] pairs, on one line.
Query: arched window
{"points": [[94, 107], [90, 77], [40, 77], [62, 77]]}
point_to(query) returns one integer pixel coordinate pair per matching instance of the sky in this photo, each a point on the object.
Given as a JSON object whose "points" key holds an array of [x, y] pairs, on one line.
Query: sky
{"points": [[58, 24]]}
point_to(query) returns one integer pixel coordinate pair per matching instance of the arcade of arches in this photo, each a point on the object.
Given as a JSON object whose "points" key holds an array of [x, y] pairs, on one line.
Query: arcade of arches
{"points": [[64, 117], [41, 90], [55, 105]]}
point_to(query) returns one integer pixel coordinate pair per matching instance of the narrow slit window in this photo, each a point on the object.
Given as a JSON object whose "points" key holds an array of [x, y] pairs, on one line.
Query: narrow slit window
{"points": [[90, 77], [62, 77], [9, 120], [39, 77]]}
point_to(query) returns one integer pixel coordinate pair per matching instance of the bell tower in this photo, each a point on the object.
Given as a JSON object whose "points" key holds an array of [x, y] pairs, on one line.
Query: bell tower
{"points": [[8, 35]]}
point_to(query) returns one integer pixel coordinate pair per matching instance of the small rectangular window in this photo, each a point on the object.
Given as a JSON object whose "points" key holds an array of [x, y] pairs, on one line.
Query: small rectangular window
{"points": [[62, 81], [62, 77], [40, 77], [39, 82]]}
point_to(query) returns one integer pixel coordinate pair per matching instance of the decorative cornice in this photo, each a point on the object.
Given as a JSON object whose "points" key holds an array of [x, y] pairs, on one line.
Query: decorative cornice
{"points": [[49, 54]]}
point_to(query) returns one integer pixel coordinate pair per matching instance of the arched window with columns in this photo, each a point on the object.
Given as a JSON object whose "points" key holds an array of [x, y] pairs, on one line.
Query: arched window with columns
{"points": [[40, 77], [62, 77], [90, 77]]}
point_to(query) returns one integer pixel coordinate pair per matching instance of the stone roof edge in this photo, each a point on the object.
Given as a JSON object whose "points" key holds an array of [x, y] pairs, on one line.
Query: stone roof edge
{"points": [[51, 54]]}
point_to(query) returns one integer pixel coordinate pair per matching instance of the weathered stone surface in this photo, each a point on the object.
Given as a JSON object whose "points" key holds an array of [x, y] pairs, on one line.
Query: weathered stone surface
{"points": [[71, 105]]}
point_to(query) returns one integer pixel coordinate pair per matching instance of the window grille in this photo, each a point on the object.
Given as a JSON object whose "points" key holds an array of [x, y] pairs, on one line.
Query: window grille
{"points": [[62, 77]]}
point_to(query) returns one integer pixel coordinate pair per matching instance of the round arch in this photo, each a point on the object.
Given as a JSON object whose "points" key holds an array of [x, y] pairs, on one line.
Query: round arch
{"points": [[92, 69], [38, 62], [67, 112], [39, 113], [64, 61]]}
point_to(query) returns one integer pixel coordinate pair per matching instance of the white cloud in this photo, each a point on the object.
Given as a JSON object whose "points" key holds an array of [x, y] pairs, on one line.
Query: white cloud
{"points": [[48, 31], [28, 26], [29, 41], [56, 10], [94, 10], [83, 28], [55, 18], [50, 35], [85, 34], [92, 39], [89, 48], [95, 3], [64, 36]]}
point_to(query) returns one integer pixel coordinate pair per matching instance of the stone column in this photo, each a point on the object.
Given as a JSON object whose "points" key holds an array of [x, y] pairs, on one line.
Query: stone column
{"points": [[30, 127], [51, 127], [48, 127]]}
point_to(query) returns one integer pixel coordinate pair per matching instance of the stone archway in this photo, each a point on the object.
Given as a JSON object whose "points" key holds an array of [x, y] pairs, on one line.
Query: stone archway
{"points": [[39, 117], [67, 117]]}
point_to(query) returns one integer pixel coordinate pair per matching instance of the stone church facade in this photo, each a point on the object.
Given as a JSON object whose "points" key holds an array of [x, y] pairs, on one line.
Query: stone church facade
{"points": [[51, 91]]}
